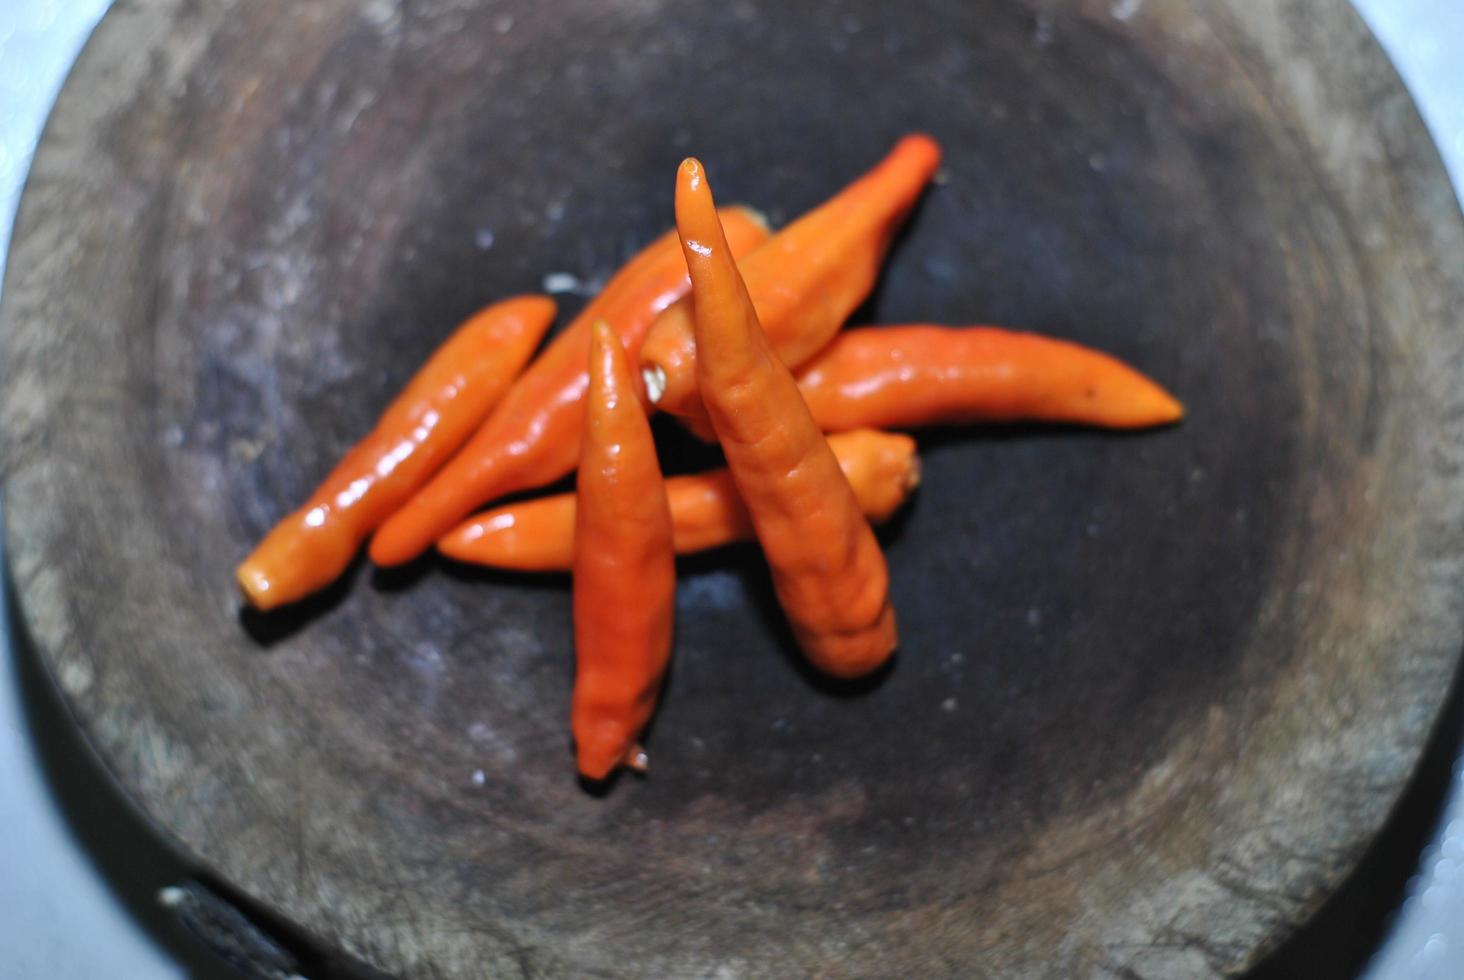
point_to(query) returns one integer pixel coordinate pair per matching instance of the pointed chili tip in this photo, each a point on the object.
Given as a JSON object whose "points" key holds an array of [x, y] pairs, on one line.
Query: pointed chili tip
{"points": [[605, 352], [1152, 404], [691, 172], [255, 584], [454, 544], [595, 773], [697, 222], [691, 180], [922, 143], [1173, 408], [543, 306], [535, 303], [602, 333], [598, 762]]}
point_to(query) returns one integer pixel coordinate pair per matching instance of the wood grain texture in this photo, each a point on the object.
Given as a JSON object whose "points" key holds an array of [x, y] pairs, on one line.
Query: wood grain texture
{"points": [[1155, 693]]}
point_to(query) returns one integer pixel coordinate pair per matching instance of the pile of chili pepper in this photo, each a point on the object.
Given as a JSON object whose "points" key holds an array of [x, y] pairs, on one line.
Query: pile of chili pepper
{"points": [[737, 332]]}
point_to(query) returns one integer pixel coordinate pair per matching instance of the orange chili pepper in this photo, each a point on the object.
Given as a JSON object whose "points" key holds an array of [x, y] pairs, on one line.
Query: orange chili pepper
{"points": [[806, 279], [828, 571], [538, 535], [431, 418], [904, 377], [624, 569], [900, 377], [533, 437]]}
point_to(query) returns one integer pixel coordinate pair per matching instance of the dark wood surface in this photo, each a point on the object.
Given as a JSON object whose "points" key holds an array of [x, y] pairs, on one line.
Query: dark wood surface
{"points": [[1155, 693]]}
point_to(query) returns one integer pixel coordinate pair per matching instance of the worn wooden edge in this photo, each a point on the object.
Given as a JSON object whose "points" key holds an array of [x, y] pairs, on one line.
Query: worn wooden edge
{"points": [[119, 57], [120, 54]]}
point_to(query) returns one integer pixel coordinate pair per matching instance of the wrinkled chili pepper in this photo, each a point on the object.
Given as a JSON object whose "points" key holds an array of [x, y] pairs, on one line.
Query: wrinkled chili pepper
{"points": [[428, 421], [538, 535], [827, 568], [806, 279], [907, 376], [624, 568], [532, 438]]}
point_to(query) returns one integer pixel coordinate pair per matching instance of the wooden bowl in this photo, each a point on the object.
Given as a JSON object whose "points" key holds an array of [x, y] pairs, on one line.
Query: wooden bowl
{"points": [[1155, 692]]}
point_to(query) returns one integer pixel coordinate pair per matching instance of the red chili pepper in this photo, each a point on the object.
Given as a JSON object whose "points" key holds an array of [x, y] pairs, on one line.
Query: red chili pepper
{"points": [[624, 569], [909, 376], [828, 571], [538, 535], [806, 279], [428, 421], [533, 437]]}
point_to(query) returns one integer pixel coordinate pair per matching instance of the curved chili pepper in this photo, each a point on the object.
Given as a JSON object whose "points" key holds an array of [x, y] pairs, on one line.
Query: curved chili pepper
{"points": [[828, 571], [624, 568], [901, 377], [806, 279], [538, 535], [428, 421], [904, 377], [533, 436]]}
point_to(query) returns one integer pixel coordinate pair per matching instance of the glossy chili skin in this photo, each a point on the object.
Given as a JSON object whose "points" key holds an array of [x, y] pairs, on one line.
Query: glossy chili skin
{"points": [[806, 279], [532, 438], [437, 411], [903, 377], [624, 569], [827, 568], [706, 512], [916, 375]]}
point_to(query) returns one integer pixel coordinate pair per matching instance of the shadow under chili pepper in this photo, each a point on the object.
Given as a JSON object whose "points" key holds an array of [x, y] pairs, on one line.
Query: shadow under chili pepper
{"points": [[889, 531], [680, 452], [399, 578], [757, 585], [598, 789], [505, 578], [269, 627], [938, 437], [868, 312]]}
